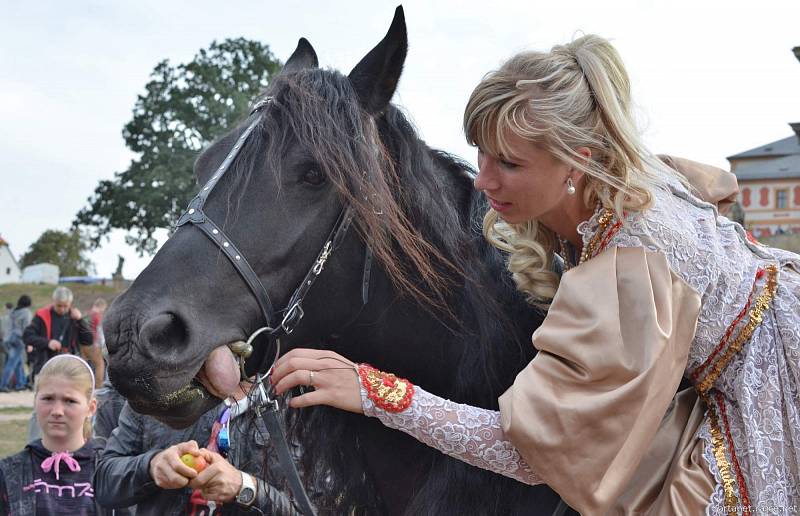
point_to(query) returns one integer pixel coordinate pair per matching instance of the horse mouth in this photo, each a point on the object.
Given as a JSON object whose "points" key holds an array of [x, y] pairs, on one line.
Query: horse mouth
{"points": [[218, 376]]}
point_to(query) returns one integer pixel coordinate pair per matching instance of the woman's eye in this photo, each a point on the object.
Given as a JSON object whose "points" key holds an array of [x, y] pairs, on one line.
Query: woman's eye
{"points": [[313, 177], [508, 164]]}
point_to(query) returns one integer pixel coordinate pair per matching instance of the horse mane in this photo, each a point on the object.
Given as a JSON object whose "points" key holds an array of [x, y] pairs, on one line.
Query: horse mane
{"points": [[418, 211]]}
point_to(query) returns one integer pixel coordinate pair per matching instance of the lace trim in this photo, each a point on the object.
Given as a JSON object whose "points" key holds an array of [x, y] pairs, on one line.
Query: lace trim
{"points": [[470, 434]]}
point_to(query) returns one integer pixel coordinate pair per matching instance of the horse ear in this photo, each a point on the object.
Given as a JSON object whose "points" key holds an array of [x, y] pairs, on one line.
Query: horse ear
{"points": [[375, 76], [303, 57]]}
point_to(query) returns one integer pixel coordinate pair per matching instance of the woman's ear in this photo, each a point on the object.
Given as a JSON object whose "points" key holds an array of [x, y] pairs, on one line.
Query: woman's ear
{"points": [[92, 407], [585, 154]]}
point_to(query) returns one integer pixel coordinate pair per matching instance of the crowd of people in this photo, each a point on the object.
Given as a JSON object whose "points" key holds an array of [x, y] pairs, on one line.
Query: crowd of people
{"points": [[89, 452]]}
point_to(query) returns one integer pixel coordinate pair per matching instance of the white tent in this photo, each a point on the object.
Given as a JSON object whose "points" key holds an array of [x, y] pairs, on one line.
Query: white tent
{"points": [[41, 273]]}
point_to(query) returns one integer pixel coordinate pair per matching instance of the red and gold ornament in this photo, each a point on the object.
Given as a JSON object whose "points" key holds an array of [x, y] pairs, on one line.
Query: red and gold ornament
{"points": [[386, 390]]}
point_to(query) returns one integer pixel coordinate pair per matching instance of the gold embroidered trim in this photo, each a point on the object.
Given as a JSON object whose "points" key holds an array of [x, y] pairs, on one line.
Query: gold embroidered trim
{"points": [[756, 315], [723, 466]]}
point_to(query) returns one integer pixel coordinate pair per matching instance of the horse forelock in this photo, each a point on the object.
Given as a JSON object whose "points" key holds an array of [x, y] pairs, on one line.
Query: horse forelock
{"points": [[379, 167]]}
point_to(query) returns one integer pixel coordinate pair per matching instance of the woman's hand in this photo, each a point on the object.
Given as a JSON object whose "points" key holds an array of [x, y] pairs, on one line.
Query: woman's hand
{"points": [[333, 377]]}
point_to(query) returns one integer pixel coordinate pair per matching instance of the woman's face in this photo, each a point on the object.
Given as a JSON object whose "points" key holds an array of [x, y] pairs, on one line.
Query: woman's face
{"points": [[61, 409], [524, 188]]}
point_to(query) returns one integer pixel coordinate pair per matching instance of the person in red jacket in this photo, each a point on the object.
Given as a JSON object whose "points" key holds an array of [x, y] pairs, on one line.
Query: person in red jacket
{"points": [[59, 328]]}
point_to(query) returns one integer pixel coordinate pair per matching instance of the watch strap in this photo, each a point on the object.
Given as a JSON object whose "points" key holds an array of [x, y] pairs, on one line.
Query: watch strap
{"points": [[248, 482]]}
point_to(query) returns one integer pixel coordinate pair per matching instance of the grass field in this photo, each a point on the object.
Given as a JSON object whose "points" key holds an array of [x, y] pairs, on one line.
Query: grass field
{"points": [[40, 294], [13, 429]]}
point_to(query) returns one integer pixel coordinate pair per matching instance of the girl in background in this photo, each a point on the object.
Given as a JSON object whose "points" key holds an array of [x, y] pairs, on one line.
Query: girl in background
{"points": [[53, 475]]}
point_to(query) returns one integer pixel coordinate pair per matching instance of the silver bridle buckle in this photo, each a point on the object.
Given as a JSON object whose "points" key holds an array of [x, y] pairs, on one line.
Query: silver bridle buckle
{"points": [[323, 257]]}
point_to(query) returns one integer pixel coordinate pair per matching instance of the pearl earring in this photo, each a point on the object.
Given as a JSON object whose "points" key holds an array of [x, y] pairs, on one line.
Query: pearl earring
{"points": [[570, 186]]}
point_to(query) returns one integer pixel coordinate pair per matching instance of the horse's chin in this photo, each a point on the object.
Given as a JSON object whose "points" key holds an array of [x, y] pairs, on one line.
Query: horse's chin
{"points": [[181, 408]]}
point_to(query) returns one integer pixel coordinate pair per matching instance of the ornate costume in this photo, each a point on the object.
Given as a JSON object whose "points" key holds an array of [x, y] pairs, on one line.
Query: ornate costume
{"points": [[674, 291]]}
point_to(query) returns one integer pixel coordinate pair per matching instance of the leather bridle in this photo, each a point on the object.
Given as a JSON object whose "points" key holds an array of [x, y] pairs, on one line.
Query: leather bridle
{"points": [[293, 312], [265, 403]]}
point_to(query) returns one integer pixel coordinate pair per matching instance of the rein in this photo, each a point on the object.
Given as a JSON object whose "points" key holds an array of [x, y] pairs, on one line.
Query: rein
{"points": [[264, 404]]}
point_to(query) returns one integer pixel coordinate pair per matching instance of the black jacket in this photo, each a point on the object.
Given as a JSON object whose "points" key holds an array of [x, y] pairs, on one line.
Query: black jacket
{"points": [[122, 477], [18, 486]]}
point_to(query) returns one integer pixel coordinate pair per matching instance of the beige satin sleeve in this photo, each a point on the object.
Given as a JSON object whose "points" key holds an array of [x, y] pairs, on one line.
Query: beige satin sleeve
{"points": [[612, 352], [711, 184]]}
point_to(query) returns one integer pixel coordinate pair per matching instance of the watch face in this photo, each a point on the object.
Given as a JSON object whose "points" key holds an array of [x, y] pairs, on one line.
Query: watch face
{"points": [[246, 495]]}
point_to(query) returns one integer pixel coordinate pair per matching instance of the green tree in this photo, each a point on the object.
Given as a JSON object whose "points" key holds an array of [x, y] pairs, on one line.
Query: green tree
{"points": [[62, 248], [184, 108]]}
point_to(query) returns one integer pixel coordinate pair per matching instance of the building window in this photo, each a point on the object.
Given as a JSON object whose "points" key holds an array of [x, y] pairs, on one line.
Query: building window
{"points": [[781, 199], [746, 196], [8, 271], [764, 196], [797, 195]]}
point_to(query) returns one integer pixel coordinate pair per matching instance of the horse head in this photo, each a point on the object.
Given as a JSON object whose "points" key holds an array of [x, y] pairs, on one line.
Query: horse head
{"points": [[312, 150]]}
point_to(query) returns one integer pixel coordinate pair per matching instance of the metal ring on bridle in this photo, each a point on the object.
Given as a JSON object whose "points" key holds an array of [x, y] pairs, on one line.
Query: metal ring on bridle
{"points": [[243, 349]]}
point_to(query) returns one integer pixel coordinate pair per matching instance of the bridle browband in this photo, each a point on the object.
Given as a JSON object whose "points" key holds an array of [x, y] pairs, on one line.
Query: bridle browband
{"points": [[266, 405]]}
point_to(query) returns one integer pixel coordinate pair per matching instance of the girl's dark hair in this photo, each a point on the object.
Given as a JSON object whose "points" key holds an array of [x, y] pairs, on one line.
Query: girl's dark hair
{"points": [[24, 301]]}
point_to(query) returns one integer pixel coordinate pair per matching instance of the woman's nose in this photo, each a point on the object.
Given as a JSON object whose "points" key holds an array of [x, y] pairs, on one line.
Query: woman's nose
{"points": [[486, 178]]}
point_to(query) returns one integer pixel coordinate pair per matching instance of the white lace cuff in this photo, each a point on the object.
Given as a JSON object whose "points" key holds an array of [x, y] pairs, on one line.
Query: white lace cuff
{"points": [[470, 434]]}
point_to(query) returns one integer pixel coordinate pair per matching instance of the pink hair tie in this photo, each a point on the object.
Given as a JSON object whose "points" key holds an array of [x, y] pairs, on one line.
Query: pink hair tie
{"points": [[56, 458]]}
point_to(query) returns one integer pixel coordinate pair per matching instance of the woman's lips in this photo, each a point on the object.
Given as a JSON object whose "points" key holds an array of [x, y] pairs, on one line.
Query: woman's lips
{"points": [[499, 206]]}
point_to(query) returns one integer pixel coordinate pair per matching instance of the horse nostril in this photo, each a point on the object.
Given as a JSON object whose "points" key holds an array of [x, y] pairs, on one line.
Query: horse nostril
{"points": [[163, 331]]}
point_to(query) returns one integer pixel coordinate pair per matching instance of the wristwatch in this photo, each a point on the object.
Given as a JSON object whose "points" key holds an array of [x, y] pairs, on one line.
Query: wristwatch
{"points": [[247, 493]]}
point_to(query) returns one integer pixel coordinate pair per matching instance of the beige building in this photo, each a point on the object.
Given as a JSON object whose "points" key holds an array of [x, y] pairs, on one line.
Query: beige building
{"points": [[769, 184]]}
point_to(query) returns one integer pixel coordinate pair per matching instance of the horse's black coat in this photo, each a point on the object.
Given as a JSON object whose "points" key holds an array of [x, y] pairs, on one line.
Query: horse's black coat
{"points": [[442, 310]]}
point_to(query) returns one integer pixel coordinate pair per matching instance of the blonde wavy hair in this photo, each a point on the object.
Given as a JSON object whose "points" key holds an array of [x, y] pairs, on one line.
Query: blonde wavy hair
{"points": [[576, 95]]}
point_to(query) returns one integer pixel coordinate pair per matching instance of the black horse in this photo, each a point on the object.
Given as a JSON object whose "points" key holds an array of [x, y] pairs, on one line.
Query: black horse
{"points": [[439, 307]]}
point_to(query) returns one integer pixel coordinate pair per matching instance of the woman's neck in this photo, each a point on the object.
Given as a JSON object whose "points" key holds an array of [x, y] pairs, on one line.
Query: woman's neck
{"points": [[59, 445], [564, 222]]}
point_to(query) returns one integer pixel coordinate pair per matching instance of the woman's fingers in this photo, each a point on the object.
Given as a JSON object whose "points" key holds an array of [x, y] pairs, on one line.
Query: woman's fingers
{"points": [[333, 377], [309, 359], [296, 378]]}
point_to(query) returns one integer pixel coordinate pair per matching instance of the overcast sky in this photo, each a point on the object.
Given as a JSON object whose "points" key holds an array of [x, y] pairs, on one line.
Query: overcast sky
{"points": [[710, 78]]}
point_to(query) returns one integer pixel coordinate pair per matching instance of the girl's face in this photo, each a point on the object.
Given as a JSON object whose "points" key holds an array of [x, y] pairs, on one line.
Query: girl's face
{"points": [[528, 187], [61, 409]]}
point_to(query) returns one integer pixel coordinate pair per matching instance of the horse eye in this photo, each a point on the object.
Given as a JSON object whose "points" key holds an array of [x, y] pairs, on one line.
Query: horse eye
{"points": [[313, 177]]}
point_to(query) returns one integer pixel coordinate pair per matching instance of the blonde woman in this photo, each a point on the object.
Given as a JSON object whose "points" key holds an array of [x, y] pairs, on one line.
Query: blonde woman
{"points": [[658, 287], [53, 475]]}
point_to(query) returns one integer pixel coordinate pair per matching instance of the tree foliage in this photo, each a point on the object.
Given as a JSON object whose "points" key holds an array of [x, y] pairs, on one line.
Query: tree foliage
{"points": [[62, 248], [183, 109]]}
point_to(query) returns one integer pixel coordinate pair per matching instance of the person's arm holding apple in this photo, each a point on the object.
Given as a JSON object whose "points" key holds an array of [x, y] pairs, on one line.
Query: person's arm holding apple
{"points": [[219, 481]]}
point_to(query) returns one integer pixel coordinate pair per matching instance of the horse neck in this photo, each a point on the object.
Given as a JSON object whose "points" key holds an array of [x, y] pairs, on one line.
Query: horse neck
{"points": [[470, 354]]}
